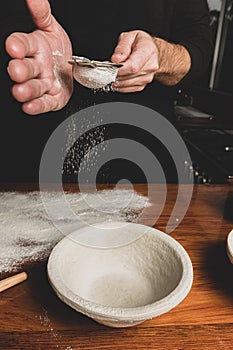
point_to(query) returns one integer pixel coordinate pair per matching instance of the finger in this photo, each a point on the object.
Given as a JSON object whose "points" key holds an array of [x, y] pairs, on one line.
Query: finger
{"points": [[141, 80], [21, 45], [43, 104], [41, 13], [23, 70], [144, 54], [121, 77], [136, 88], [30, 90], [124, 47]]}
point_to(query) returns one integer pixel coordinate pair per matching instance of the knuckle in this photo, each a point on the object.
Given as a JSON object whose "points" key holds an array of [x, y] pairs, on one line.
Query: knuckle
{"points": [[139, 88], [134, 68], [149, 79], [18, 70], [20, 92], [10, 69], [31, 68], [13, 70], [153, 67], [123, 35]]}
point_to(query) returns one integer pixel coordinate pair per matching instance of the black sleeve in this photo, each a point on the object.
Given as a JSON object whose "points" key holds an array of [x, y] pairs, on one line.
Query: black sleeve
{"points": [[191, 28]]}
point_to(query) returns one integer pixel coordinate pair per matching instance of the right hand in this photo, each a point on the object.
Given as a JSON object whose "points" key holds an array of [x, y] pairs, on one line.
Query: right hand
{"points": [[139, 53], [39, 65]]}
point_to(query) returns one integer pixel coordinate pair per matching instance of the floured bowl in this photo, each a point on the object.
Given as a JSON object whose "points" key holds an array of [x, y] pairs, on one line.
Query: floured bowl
{"points": [[229, 246], [125, 285]]}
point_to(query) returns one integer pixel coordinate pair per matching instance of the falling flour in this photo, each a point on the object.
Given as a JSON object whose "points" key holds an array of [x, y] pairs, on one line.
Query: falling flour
{"points": [[27, 233], [84, 148]]}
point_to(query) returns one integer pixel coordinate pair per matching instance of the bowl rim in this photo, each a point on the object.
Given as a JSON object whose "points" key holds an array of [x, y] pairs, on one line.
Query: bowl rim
{"points": [[229, 246], [132, 314]]}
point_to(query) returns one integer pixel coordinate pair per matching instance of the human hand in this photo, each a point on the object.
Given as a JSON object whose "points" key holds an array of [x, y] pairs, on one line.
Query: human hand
{"points": [[139, 53], [39, 66]]}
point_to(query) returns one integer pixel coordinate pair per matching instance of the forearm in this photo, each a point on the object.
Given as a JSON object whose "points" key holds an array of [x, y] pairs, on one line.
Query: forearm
{"points": [[174, 62]]}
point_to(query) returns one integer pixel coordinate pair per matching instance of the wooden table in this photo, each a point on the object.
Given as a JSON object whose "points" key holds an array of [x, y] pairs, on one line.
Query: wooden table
{"points": [[32, 317]]}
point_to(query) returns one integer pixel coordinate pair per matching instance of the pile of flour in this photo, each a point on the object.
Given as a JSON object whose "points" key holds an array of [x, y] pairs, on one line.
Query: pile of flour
{"points": [[27, 233]]}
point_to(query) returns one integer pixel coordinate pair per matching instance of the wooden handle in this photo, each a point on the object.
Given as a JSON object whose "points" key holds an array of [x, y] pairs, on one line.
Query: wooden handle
{"points": [[12, 281]]}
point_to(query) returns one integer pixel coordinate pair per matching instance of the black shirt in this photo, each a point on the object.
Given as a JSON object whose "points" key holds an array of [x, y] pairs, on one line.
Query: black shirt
{"points": [[94, 28], [94, 31]]}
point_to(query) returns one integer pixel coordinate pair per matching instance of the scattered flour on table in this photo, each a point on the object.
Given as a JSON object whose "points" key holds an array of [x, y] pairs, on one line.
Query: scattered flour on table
{"points": [[46, 322], [27, 233]]}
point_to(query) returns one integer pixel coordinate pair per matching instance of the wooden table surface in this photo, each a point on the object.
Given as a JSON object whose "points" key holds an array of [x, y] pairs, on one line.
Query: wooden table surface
{"points": [[32, 317]]}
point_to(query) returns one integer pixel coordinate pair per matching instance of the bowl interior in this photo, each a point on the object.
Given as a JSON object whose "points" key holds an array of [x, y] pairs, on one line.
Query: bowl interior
{"points": [[130, 276]]}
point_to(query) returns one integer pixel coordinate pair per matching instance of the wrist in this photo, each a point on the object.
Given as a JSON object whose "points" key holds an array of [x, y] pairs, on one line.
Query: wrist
{"points": [[174, 62]]}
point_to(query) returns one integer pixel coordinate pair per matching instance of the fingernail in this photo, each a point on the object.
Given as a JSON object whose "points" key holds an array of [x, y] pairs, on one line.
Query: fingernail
{"points": [[119, 57]]}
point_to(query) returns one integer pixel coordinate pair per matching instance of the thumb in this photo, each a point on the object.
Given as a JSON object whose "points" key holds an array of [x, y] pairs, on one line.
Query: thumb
{"points": [[40, 12], [124, 47]]}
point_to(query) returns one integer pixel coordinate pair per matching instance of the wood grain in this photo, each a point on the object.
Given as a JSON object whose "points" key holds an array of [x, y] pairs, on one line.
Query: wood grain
{"points": [[32, 317]]}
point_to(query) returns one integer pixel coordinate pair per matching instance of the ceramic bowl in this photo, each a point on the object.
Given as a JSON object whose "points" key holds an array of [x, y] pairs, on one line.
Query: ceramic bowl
{"points": [[230, 246], [125, 285]]}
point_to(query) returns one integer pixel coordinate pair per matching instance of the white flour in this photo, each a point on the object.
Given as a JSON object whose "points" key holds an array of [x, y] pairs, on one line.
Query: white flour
{"points": [[94, 78], [57, 81], [46, 322], [83, 148], [27, 234]]}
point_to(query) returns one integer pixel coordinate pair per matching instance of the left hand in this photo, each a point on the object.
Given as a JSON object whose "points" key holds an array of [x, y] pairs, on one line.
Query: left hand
{"points": [[39, 65], [139, 53]]}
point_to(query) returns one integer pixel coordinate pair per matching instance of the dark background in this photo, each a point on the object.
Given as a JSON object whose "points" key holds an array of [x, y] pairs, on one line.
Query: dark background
{"points": [[23, 137]]}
